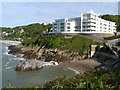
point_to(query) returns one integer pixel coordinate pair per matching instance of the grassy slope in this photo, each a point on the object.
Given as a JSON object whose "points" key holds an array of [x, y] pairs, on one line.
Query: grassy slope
{"points": [[76, 44]]}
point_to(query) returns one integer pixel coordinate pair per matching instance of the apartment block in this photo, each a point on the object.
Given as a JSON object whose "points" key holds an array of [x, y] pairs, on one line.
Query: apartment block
{"points": [[87, 23]]}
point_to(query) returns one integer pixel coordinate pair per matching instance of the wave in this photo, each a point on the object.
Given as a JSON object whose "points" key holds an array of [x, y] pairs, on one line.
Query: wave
{"points": [[18, 58], [7, 63], [10, 67], [14, 57], [51, 63], [6, 50], [77, 72]]}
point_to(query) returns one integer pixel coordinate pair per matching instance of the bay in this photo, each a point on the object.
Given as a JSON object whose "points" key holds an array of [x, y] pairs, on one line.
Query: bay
{"points": [[36, 77]]}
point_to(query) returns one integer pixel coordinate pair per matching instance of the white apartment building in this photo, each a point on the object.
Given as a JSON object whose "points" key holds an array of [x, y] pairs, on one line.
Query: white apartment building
{"points": [[88, 23]]}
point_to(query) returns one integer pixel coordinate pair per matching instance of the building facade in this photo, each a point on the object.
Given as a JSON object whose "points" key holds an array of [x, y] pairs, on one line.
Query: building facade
{"points": [[88, 23]]}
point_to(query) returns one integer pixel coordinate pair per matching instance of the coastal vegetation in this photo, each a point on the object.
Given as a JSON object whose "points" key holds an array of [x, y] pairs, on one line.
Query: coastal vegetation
{"points": [[75, 44], [24, 31], [34, 35]]}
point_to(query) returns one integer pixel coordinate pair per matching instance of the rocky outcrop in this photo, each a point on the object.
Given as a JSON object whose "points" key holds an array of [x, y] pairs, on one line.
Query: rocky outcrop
{"points": [[46, 54], [29, 65], [15, 49]]}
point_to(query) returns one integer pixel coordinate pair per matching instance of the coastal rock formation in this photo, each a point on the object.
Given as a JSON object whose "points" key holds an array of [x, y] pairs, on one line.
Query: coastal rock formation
{"points": [[15, 49], [45, 54], [38, 53], [29, 65]]}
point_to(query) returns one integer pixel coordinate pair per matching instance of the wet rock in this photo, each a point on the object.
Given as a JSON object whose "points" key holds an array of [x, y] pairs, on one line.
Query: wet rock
{"points": [[15, 49], [29, 55], [29, 65], [48, 54]]}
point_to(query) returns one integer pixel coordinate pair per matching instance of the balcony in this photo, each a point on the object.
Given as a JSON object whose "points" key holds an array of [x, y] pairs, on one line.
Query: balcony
{"points": [[89, 24], [91, 28]]}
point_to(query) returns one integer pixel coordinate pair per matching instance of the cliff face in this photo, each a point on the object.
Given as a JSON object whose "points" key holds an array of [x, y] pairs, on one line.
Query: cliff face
{"points": [[44, 54]]}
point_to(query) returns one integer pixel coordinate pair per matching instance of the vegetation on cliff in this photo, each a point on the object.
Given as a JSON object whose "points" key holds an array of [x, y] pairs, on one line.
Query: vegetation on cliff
{"points": [[94, 79], [28, 30], [74, 44]]}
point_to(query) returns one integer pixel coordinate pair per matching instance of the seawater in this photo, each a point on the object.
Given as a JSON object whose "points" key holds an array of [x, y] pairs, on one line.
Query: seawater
{"points": [[36, 77]]}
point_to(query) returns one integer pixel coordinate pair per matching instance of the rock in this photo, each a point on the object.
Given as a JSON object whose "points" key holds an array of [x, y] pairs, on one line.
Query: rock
{"points": [[36, 49], [29, 65], [15, 49]]}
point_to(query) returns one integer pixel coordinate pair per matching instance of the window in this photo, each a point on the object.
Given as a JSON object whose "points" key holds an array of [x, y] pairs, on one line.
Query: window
{"points": [[62, 27], [68, 27], [55, 23], [68, 23], [105, 24], [88, 30], [68, 30], [83, 22], [55, 27], [77, 30], [77, 27], [62, 30], [55, 30], [62, 23], [88, 15]]}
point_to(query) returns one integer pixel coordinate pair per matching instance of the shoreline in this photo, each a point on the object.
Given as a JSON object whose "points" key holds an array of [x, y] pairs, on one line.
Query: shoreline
{"points": [[11, 42], [81, 66], [78, 66]]}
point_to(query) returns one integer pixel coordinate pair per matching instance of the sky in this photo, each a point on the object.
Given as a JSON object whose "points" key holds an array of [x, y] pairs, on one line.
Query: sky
{"points": [[24, 13]]}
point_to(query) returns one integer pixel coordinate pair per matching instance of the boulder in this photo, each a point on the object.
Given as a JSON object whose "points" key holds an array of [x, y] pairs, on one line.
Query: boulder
{"points": [[29, 65]]}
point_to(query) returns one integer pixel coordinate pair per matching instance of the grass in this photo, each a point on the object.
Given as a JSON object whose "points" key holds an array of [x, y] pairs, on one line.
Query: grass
{"points": [[75, 44]]}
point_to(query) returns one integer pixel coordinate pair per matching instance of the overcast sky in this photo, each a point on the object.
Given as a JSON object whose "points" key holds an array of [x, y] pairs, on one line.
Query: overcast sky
{"points": [[23, 13]]}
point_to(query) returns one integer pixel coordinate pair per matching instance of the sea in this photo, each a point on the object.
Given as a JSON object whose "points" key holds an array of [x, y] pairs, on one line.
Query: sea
{"points": [[37, 77]]}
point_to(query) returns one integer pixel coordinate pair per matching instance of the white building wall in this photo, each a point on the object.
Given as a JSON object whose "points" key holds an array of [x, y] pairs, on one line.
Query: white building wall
{"points": [[87, 23]]}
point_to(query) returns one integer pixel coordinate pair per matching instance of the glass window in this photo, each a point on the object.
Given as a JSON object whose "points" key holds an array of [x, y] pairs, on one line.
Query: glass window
{"points": [[68, 27], [62, 27], [55, 23], [68, 23], [68, 30], [62, 30], [62, 23]]}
